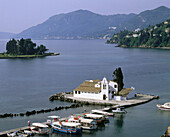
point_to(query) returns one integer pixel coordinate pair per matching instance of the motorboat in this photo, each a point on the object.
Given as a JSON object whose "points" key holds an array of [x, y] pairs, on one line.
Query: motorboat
{"points": [[88, 124], [52, 119], [99, 119], [73, 120], [13, 134], [119, 110], [39, 128], [66, 127], [100, 112], [17, 134], [165, 106]]}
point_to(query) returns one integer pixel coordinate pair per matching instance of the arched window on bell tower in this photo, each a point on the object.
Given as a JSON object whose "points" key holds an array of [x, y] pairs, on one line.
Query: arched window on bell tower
{"points": [[104, 86]]}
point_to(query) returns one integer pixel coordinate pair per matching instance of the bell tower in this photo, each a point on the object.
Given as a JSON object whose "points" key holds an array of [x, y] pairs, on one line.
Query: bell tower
{"points": [[105, 89]]}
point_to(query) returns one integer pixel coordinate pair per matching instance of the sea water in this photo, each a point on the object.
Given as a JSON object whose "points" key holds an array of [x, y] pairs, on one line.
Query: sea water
{"points": [[27, 84]]}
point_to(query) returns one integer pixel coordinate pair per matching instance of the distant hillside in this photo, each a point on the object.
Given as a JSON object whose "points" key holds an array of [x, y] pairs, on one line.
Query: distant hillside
{"points": [[83, 24], [156, 36], [6, 35], [146, 18]]}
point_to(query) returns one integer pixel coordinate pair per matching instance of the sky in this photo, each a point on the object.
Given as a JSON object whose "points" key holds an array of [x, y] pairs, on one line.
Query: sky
{"points": [[18, 15]]}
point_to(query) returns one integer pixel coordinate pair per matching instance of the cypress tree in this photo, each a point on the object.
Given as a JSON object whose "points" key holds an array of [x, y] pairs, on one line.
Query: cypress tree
{"points": [[118, 77]]}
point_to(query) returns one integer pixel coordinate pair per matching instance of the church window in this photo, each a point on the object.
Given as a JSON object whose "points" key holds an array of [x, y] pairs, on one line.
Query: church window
{"points": [[104, 86]]}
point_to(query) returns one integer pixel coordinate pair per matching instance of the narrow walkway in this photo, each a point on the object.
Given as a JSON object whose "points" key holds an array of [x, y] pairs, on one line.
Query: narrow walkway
{"points": [[139, 99]]}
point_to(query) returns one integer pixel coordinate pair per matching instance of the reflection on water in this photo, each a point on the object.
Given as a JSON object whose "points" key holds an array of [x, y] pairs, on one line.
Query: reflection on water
{"points": [[119, 120]]}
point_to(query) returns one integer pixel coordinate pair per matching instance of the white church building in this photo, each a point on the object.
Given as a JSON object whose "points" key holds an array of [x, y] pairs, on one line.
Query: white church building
{"points": [[102, 90]]}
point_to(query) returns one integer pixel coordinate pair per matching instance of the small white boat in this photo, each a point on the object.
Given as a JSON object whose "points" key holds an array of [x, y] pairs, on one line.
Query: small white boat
{"points": [[73, 120], [66, 127], [88, 124], [165, 106], [39, 128], [28, 132], [17, 134], [13, 134], [119, 110], [101, 112], [52, 119]]}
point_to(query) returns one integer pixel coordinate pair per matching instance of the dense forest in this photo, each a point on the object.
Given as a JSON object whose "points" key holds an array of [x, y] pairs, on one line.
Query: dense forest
{"points": [[151, 37], [24, 47]]}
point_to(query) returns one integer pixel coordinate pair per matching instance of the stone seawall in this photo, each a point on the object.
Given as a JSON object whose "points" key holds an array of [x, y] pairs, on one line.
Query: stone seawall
{"points": [[33, 112]]}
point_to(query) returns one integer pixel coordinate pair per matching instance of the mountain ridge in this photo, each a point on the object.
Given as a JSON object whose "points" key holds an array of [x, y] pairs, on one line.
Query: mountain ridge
{"points": [[84, 24]]}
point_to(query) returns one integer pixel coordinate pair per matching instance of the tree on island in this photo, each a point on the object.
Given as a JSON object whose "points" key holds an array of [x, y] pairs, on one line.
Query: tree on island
{"points": [[118, 77], [24, 47]]}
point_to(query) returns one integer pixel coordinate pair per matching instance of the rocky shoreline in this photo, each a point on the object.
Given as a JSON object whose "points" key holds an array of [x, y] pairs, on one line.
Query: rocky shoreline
{"points": [[143, 47]]}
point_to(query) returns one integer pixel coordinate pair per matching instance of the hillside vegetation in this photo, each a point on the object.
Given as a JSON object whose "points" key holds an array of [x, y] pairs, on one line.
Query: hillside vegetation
{"points": [[151, 37]]}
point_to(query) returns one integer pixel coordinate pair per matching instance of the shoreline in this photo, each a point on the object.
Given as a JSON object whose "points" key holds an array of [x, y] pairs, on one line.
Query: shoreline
{"points": [[6, 56], [143, 47]]}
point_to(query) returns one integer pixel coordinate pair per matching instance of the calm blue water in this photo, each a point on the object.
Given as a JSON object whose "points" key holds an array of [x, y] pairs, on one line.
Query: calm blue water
{"points": [[26, 84]]}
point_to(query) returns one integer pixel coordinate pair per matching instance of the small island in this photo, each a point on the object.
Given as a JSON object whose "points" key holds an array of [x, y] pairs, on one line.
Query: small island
{"points": [[24, 48]]}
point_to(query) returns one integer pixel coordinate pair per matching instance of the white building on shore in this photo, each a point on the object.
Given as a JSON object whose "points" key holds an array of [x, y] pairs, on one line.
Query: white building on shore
{"points": [[102, 90]]}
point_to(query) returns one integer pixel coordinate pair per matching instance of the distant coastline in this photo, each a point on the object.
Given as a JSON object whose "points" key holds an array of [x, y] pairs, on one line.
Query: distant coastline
{"points": [[143, 47]]}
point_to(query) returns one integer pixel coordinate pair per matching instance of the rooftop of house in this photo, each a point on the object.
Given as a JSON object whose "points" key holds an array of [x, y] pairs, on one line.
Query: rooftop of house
{"points": [[125, 91], [89, 86]]}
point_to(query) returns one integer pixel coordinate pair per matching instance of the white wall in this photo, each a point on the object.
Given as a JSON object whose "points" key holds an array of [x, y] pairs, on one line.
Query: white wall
{"points": [[112, 86], [90, 95], [118, 98]]}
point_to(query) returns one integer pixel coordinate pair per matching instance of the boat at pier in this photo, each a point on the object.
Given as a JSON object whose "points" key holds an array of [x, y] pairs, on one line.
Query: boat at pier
{"points": [[165, 106], [39, 128], [100, 112], [52, 119], [66, 127], [119, 110], [88, 124], [99, 119]]}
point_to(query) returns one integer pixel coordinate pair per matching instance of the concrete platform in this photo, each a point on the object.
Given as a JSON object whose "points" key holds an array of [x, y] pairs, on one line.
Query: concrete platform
{"points": [[139, 99]]}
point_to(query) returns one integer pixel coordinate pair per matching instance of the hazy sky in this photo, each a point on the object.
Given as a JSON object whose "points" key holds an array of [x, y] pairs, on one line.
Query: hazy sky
{"points": [[17, 15]]}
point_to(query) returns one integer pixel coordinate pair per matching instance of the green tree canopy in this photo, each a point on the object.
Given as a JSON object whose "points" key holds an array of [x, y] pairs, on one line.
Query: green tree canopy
{"points": [[24, 47]]}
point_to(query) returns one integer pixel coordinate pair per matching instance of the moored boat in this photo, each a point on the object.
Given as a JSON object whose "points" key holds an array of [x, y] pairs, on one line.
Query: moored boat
{"points": [[119, 110], [165, 106], [39, 128], [99, 119], [88, 124], [100, 112], [52, 119], [66, 127]]}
